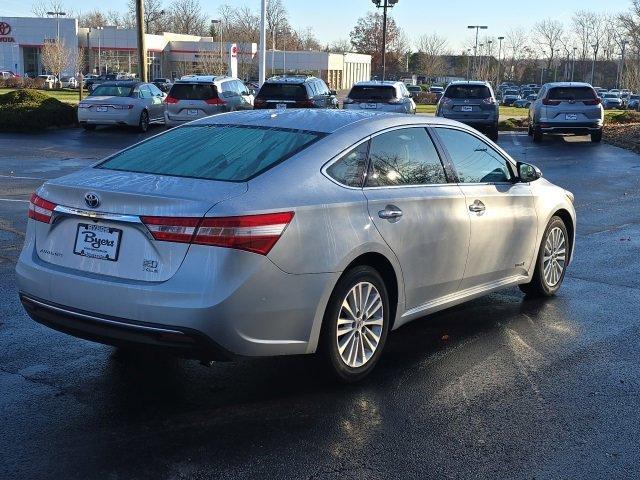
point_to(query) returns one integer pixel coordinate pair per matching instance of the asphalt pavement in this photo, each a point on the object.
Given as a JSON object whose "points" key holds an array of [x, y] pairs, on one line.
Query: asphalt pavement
{"points": [[497, 388]]}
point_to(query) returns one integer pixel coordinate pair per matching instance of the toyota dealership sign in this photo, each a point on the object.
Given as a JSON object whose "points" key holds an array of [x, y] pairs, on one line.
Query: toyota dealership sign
{"points": [[5, 30]]}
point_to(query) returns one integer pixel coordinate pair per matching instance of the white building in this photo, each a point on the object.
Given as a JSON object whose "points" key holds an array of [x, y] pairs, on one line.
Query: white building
{"points": [[114, 50]]}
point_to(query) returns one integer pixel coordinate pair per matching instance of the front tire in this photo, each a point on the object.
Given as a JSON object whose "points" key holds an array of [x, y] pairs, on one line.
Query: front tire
{"points": [[551, 263], [143, 124], [355, 324]]}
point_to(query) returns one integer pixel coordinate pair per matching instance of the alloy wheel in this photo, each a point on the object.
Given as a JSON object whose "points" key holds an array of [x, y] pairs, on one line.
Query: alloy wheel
{"points": [[555, 254], [360, 324]]}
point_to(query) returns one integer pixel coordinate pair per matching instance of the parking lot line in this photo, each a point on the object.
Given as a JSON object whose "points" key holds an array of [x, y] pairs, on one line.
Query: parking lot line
{"points": [[23, 178], [13, 200]]}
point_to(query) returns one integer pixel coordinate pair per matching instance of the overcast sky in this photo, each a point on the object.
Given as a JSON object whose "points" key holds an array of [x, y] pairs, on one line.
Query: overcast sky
{"points": [[333, 19]]}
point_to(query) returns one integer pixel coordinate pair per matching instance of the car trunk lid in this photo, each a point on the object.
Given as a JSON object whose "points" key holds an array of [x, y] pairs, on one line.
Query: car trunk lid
{"points": [[111, 237]]}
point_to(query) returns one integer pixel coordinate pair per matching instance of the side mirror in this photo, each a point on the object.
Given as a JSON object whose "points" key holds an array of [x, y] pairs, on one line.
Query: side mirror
{"points": [[528, 173]]}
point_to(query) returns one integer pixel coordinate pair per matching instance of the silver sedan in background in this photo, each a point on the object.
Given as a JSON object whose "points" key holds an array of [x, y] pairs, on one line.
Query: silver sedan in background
{"points": [[126, 103], [269, 232]]}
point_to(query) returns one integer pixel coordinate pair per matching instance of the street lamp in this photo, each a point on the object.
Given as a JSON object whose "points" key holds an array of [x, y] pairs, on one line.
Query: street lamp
{"points": [[468, 63], [475, 48], [99, 49], [219, 22], [57, 14], [555, 65], [621, 68], [573, 63], [499, 61], [593, 63], [384, 4]]}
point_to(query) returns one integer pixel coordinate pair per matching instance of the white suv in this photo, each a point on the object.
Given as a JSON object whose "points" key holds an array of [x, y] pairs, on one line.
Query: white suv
{"points": [[387, 96]]}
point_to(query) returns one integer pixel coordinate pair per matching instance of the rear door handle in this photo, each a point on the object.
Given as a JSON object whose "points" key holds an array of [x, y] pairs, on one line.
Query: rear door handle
{"points": [[390, 212], [477, 207]]}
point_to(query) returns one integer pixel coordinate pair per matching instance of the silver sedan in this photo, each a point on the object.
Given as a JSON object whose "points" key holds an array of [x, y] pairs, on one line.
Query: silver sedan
{"points": [[126, 103], [267, 232]]}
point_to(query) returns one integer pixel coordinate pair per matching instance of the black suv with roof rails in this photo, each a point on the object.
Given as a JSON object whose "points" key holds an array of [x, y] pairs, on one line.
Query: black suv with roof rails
{"points": [[295, 91]]}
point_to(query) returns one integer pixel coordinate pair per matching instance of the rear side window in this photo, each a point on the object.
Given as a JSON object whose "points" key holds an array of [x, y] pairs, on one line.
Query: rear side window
{"points": [[193, 91], [373, 92], [213, 152], [349, 170], [474, 160], [405, 156], [572, 93], [468, 91], [282, 91]]}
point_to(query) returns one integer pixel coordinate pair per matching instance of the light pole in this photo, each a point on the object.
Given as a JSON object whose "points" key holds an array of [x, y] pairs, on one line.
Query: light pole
{"points": [[624, 46], [219, 23], [555, 65], [263, 39], [99, 49], [499, 61], [475, 48], [573, 63], [593, 63], [468, 63], [385, 5], [57, 14]]}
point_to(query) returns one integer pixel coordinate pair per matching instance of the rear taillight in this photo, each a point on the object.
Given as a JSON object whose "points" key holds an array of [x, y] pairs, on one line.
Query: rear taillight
{"points": [[395, 101], [489, 101], [170, 99], [215, 101], [122, 107], [595, 101], [172, 229], [40, 209], [445, 100], [254, 233], [546, 101], [258, 102]]}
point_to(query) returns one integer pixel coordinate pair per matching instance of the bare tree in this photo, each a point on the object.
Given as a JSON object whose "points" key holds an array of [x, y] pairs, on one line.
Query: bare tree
{"points": [[515, 52], [429, 60], [549, 34], [187, 17], [156, 18], [339, 46], [40, 9], [55, 57]]}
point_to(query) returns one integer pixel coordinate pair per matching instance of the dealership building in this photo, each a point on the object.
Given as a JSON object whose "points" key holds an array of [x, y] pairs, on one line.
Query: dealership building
{"points": [[112, 49]]}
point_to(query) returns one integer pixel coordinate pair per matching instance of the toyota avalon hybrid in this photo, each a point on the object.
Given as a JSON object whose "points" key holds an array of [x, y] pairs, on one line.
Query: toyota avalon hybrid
{"points": [[267, 232]]}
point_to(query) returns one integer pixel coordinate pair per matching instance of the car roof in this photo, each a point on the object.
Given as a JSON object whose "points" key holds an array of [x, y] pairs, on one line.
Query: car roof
{"points": [[290, 79], [469, 82], [568, 84], [320, 120], [376, 83], [121, 83], [204, 78]]}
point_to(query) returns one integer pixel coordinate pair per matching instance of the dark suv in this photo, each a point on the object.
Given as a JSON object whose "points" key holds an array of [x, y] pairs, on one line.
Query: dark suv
{"points": [[295, 91], [472, 103]]}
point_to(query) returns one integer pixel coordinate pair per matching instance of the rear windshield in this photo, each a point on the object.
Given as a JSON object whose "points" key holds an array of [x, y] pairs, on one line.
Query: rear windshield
{"points": [[572, 93], [213, 152], [373, 92], [468, 91], [112, 91], [193, 91], [282, 91]]}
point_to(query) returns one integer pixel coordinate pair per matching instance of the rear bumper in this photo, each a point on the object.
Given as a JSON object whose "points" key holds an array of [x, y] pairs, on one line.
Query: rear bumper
{"points": [[121, 332], [126, 117], [219, 300], [486, 122], [570, 127]]}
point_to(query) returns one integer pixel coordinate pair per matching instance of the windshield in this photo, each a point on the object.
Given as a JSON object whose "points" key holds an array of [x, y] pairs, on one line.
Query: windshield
{"points": [[572, 93], [282, 91], [112, 91], [372, 92], [212, 152], [468, 91]]}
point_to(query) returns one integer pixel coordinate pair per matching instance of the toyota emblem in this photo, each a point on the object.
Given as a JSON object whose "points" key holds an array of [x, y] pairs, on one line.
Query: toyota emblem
{"points": [[5, 28], [92, 200]]}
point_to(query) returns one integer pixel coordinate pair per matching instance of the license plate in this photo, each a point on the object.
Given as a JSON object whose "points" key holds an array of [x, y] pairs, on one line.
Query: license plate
{"points": [[101, 109], [192, 112], [281, 106], [467, 108], [370, 105], [97, 241], [571, 116]]}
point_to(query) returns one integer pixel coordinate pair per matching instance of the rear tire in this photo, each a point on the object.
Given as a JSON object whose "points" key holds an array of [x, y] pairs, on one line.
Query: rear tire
{"points": [[537, 135], [143, 124], [493, 133], [551, 262], [530, 130], [596, 137], [355, 324]]}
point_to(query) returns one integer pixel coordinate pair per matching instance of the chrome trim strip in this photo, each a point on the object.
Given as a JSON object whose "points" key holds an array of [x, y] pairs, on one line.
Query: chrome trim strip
{"points": [[97, 215], [100, 319]]}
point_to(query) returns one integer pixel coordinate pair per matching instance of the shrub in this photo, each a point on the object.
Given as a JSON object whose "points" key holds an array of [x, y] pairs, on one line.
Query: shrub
{"points": [[628, 116], [425, 98], [27, 109], [513, 124]]}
